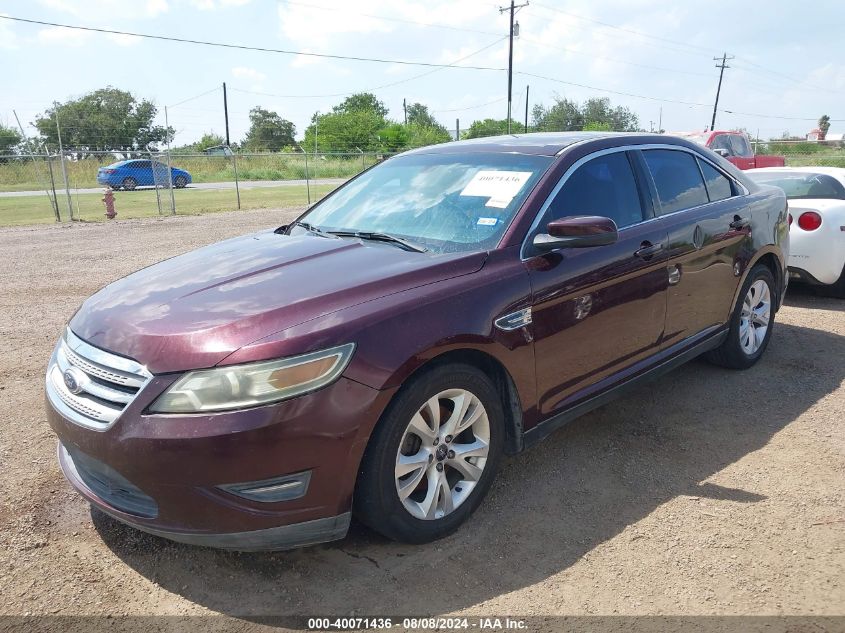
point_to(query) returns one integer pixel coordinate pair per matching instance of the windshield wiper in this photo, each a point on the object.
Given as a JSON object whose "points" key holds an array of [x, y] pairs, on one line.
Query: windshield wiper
{"points": [[381, 237], [311, 229]]}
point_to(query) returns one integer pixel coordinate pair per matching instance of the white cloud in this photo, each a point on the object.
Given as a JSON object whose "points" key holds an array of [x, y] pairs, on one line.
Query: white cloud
{"points": [[243, 72], [111, 8], [62, 36], [8, 38], [303, 24], [212, 5]]}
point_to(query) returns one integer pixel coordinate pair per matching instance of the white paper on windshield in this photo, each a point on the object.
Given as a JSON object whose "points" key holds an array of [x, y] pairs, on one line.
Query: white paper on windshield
{"points": [[499, 186]]}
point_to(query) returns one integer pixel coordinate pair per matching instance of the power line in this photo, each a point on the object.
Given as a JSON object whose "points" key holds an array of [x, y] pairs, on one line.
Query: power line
{"points": [[473, 107], [616, 92], [207, 92], [244, 47], [701, 49], [374, 88]]}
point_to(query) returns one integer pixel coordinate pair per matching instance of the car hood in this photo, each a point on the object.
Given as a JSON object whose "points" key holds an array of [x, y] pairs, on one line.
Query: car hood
{"points": [[193, 310]]}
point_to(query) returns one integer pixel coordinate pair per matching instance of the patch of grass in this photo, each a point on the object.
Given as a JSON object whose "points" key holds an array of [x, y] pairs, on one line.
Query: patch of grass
{"points": [[816, 160], [139, 204]]}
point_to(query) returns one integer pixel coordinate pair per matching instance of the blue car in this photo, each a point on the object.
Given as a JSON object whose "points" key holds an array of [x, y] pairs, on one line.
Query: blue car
{"points": [[129, 174]]}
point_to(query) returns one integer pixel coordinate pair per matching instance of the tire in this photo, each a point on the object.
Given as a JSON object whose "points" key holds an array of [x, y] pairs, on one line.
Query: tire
{"points": [[129, 183], [747, 340], [426, 511], [180, 182]]}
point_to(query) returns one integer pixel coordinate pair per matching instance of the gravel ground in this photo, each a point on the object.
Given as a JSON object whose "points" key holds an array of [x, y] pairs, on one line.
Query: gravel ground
{"points": [[706, 492]]}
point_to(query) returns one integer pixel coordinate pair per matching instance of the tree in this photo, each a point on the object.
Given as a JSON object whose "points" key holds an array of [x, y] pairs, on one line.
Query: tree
{"points": [[344, 132], [209, 139], [108, 119], [563, 116], [824, 126], [422, 135], [599, 114], [393, 137], [619, 119], [9, 139], [361, 102], [418, 114], [268, 132], [487, 127]]}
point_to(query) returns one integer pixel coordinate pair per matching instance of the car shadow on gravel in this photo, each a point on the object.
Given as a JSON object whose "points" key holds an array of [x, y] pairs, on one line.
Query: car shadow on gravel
{"points": [[591, 482]]}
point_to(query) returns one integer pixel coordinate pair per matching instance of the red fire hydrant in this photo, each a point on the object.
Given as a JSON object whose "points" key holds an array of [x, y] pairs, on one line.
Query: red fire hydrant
{"points": [[108, 200]]}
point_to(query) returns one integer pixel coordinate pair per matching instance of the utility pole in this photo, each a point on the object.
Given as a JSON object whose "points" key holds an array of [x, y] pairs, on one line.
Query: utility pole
{"points": [[457, 129], [405, 108], [722, 67], [226, 113], [526, 108], [660, 121], [512, 10]]}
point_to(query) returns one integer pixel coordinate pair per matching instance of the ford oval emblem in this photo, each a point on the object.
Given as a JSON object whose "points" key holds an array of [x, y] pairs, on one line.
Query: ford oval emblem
{"points": [[74, 380]]}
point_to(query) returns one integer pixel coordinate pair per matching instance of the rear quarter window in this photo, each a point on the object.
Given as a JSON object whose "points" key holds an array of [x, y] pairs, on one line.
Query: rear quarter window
{"points": [[719, 186]]}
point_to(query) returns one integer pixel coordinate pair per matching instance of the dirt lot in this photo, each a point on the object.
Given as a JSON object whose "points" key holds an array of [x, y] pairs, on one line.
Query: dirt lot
{"points": [[707, 492]]}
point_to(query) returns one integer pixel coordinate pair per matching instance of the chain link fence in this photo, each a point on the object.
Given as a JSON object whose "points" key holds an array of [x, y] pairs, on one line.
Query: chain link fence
{"points": [[40, 188]]}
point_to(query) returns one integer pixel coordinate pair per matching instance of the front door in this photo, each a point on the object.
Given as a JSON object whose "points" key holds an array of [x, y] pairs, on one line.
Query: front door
{"points": [[598, 310]]}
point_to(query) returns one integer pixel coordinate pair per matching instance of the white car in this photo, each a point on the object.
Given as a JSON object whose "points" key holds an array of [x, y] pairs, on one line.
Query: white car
{"points": [[816, 198]]}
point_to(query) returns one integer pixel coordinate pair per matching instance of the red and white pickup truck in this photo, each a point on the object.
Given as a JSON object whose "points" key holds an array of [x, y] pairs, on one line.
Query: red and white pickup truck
{"points": [[736, 147]]}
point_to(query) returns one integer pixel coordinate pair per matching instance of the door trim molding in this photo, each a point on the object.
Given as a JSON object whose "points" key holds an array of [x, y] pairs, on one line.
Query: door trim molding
{"points": [[710, 339]]}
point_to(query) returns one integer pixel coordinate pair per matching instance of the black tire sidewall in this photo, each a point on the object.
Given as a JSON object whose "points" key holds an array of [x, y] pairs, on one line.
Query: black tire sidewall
{"points": [[131, 182], [377, 503], [742, 359]]}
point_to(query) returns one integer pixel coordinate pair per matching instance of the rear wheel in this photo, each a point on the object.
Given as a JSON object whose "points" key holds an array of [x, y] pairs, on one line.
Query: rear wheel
{"points": [[751, 322], [129, 183], [433, 456]]}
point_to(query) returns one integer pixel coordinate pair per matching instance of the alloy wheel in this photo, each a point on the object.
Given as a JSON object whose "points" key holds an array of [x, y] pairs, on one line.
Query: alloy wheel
{"points": [[755, 316], [442, 454]]}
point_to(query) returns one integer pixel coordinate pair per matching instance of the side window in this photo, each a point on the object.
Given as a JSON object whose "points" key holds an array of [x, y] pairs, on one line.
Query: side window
{"points": [[677, 179], [603, 186], [140, 164], [722, 141], [718, 186], [740, 146]]}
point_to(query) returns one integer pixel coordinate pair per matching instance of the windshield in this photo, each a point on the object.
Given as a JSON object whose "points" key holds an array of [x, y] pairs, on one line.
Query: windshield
{"points": [[802, 185], [443, 202]]}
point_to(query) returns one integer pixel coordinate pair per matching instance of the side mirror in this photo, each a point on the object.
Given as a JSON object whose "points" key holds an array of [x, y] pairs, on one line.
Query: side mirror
{"points": [[722, 152], [577, 232]]}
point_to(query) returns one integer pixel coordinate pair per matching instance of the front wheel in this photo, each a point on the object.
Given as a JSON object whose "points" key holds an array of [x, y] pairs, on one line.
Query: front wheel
{"points": [[180, 182], [433, 456], [751, 322]]}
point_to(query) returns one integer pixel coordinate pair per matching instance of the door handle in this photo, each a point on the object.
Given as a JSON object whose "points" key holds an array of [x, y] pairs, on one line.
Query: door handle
{"points": [[647, 250], [739, 223]]}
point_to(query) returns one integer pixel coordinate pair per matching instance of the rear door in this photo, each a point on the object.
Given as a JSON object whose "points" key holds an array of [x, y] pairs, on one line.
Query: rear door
{"points": [[598, 310], [707, 230], [142, 172]]}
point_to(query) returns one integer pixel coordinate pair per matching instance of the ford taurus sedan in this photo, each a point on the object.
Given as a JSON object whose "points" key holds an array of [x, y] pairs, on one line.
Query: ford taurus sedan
{"points": [[380, 354]]}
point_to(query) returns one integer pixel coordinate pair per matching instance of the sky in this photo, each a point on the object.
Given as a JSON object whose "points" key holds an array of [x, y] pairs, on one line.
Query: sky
{"points": [[649, 55]]}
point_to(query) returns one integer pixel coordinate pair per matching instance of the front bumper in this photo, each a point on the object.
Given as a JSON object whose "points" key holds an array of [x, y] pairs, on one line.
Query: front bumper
{"points": [[177, 476]]}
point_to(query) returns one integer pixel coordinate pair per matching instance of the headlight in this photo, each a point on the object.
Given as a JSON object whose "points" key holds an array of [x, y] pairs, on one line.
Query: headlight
{"points": [[241, 386]]}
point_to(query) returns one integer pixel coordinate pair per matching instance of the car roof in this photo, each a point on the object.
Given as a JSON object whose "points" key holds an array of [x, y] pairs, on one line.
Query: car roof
{"points": [[539, 143]]}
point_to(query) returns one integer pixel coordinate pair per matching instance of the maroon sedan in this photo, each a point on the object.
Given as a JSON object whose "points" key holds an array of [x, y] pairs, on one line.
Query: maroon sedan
{"points": [[380, 354]]}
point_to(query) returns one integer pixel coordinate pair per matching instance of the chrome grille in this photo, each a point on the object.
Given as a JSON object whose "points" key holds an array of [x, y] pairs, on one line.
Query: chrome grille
{"points": [[99, 385]]}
